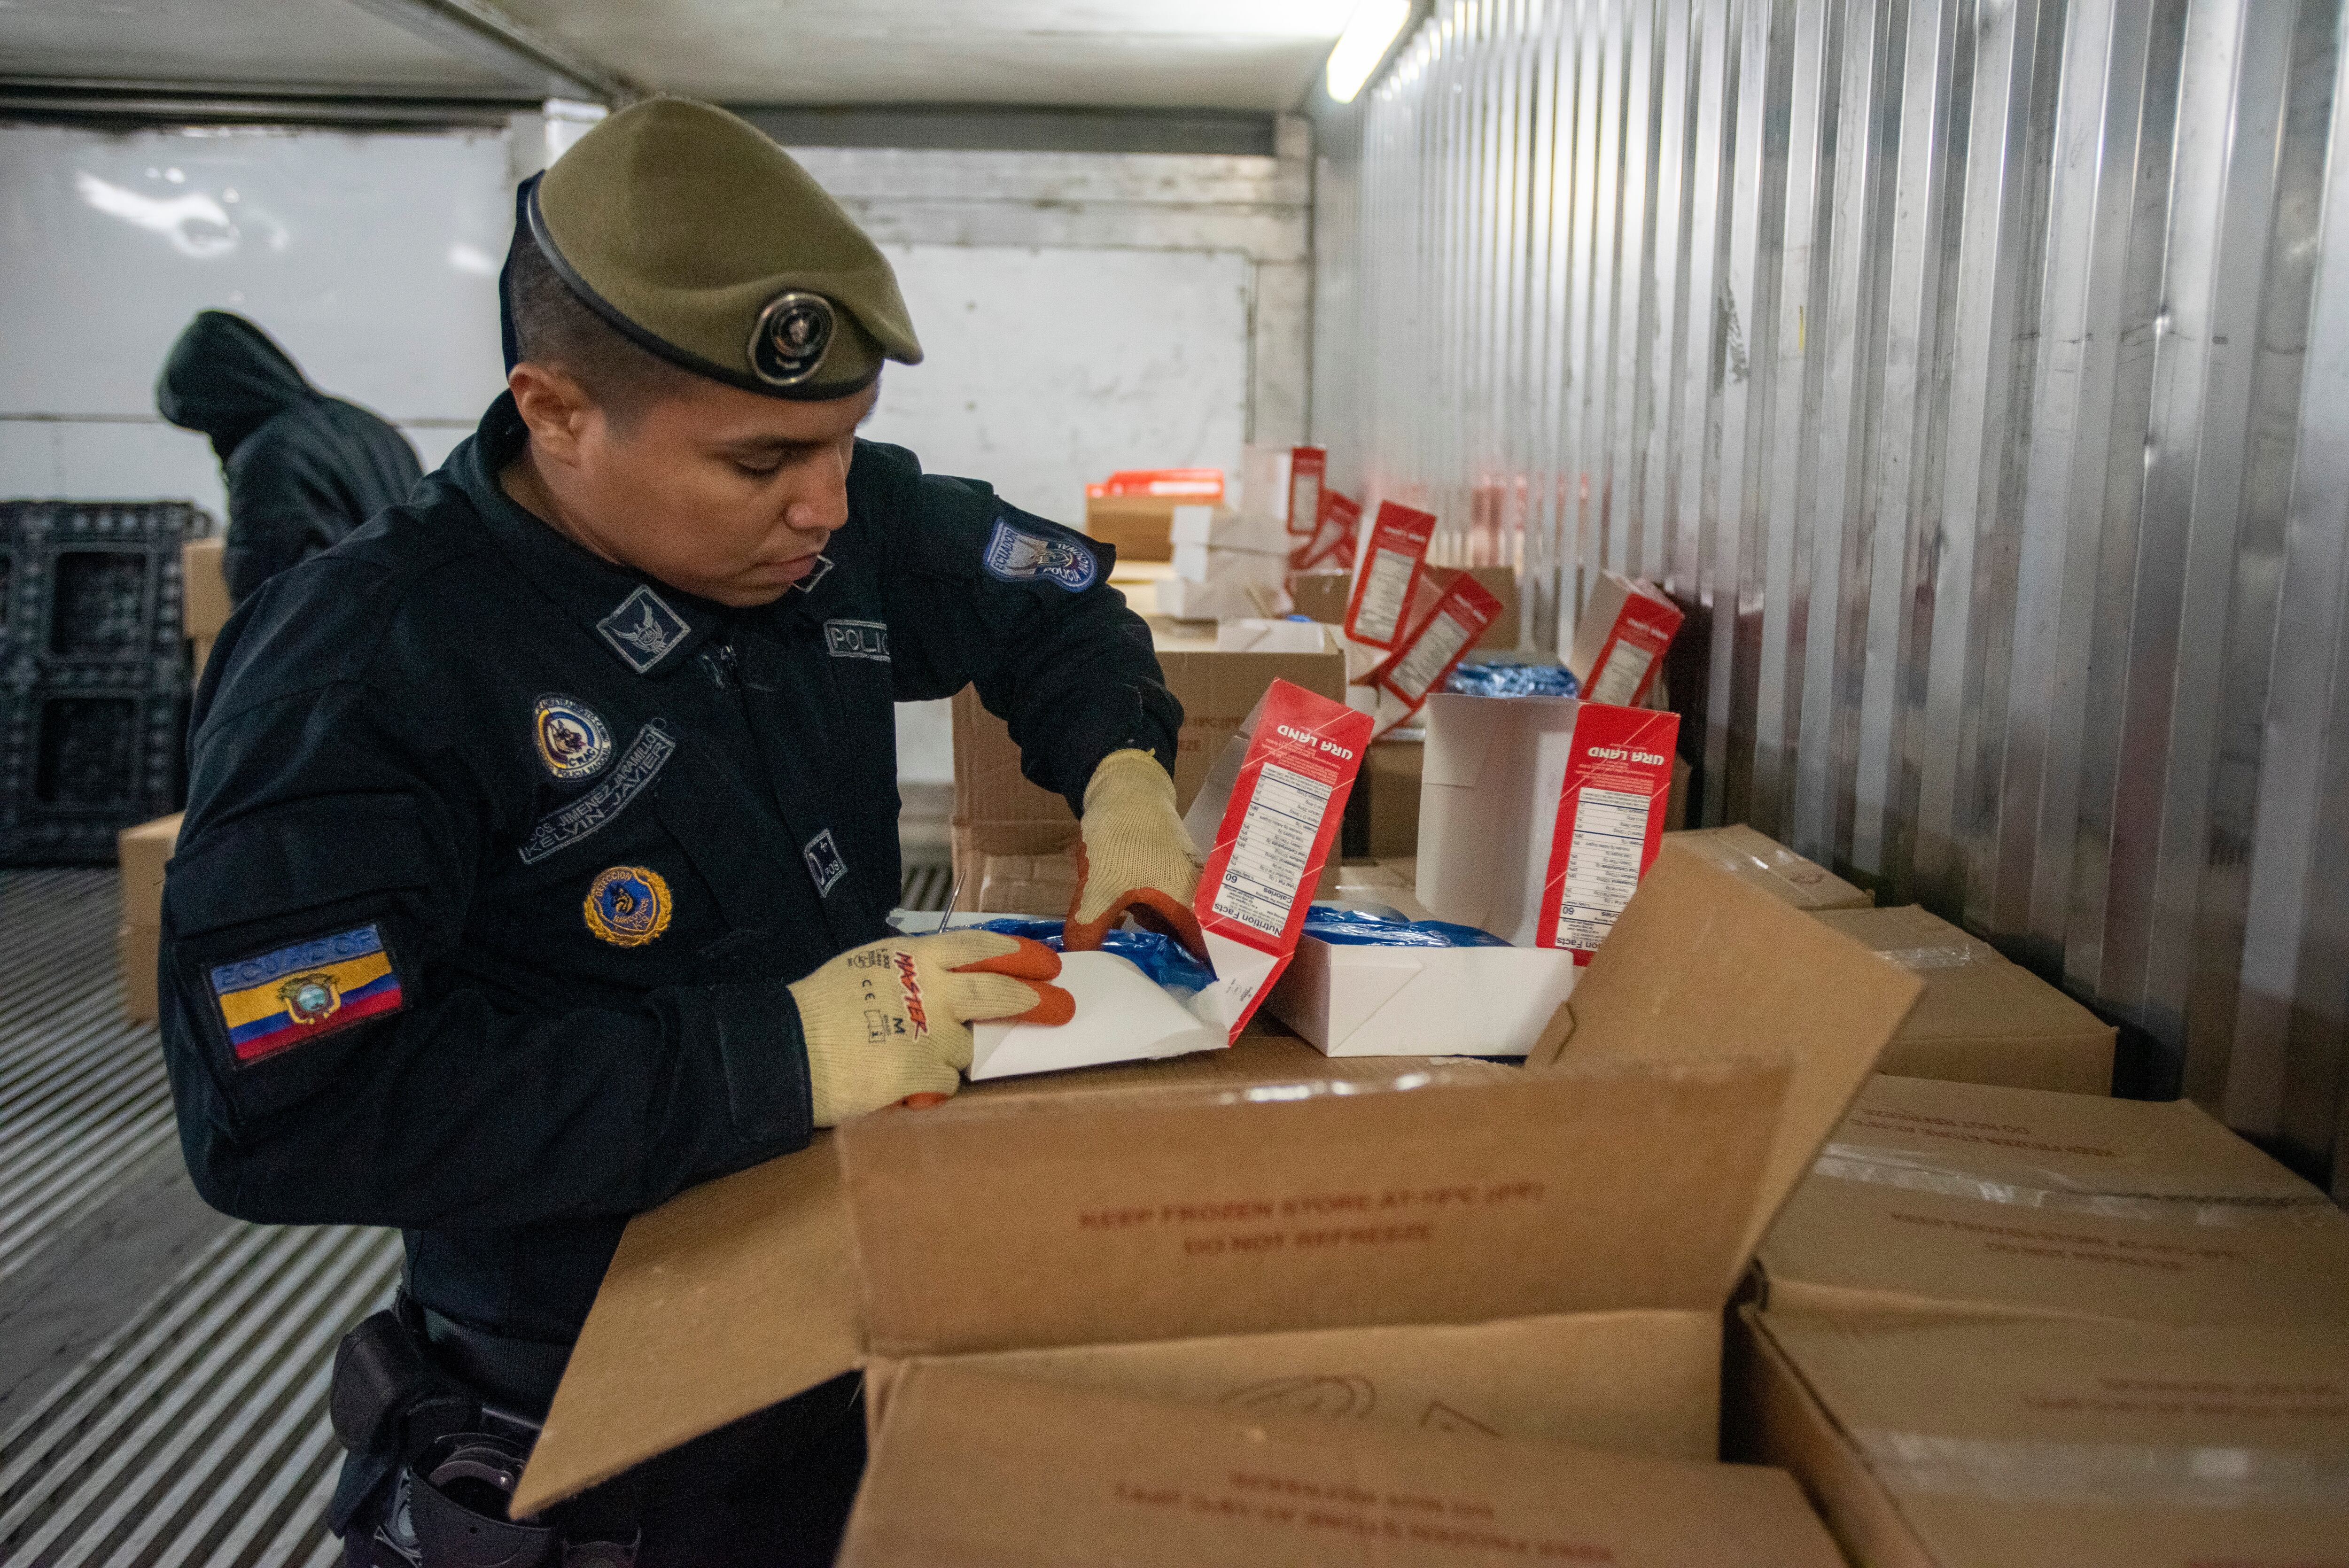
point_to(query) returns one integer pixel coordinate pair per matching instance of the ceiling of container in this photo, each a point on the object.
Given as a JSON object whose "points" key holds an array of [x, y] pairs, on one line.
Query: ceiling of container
{"points": [[1248, 54]]}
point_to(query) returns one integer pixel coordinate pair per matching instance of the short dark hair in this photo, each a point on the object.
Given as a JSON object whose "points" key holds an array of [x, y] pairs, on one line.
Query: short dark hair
{"points": [[555, 327]]}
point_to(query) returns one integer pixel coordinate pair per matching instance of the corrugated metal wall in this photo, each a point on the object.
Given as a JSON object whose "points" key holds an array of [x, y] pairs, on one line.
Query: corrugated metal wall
{"points": [[1977, 371]]}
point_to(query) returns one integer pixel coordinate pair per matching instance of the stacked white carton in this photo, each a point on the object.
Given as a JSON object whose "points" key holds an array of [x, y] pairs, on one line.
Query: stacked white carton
{"points": [[1229, 566]]}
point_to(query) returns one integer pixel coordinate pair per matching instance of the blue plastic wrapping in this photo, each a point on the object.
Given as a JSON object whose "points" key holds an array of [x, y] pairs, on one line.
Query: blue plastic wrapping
{"points": [[1507, 678], [1357, 928], [1162, 958]]}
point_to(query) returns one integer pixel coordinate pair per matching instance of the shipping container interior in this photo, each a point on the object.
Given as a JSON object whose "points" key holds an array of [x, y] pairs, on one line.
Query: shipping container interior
{"points": [[1972, 375]]}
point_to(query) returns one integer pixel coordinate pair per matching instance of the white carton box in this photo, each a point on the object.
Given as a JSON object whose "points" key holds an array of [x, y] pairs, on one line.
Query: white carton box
{"points": [[1487, 803], [1213, 565], [1221, 527], [1364, 1000]]}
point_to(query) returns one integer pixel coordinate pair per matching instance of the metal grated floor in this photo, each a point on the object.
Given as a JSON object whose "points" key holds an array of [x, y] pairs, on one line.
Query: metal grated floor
{"points": [[196, 1433]]}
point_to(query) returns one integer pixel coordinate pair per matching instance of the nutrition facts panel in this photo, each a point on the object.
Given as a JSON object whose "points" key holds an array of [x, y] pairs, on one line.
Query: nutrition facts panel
{"points": [[1602, 869], [1619, 681], [1275, 846], [1417, 670], [1382, 593]]}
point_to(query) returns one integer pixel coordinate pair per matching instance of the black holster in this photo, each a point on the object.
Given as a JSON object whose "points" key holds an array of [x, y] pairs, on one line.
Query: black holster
{"points": [[440, 1458]]}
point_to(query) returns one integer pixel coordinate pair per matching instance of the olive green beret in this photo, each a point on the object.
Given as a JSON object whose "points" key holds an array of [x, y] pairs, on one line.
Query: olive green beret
{"points": [[702, 242]]}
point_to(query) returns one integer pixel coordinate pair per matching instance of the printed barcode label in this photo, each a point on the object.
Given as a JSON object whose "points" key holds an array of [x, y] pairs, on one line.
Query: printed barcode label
{"points": [[1617, 681], [1417, 670], [1602, 869], [1275, 845], [1383, 596]]}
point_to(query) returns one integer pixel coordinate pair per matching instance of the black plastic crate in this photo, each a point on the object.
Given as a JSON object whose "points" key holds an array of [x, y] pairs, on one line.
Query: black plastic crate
{"points": [[94, 585], [81, 760]]}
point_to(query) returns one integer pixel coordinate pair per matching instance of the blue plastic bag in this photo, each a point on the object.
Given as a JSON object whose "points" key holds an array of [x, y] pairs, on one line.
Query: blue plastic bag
{"points": [[1359, 928], [1509, 677], [1162, 958]]}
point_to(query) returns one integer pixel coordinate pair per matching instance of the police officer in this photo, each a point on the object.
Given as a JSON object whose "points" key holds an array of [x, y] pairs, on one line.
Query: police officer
{"points": [[540, 836]]}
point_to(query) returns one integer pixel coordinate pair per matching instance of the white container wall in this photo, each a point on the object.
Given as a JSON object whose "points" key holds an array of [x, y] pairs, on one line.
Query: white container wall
{"points": [[1977, 372]]}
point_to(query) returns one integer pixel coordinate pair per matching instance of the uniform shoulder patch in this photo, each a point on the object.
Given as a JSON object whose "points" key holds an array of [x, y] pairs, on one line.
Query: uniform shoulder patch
{"points": [[1018, 554], [278, 999]]}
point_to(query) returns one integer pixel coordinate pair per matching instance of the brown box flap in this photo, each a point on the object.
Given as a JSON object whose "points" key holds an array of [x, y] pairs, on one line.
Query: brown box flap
{"points": [[1703, 961], [975, 1469], [727, 1298], [1643, 1382], [1953, 1199], [999, 1223]]}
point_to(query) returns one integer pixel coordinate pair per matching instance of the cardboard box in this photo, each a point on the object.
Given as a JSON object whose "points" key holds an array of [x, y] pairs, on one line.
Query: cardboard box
{"points": [[204, 603], [1138, 526], [1982, 1019], [143, 853], [996, 812], [1770, 865], [1388, 815], [973, 1468], [1501, 582], [1620, 639], [200, 653], [1212, 565], [1322, 594], [1259, 636], [2054, 1445], [1027, 884], [136, 952], [1964, 1200], [1680, 1093]]}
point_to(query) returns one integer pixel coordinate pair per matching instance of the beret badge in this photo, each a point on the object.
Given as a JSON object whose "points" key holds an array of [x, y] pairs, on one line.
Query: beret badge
{"points": [[788, 343]]}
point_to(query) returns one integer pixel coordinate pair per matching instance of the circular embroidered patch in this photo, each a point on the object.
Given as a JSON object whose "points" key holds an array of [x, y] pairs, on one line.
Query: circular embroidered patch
{"points": [[572, 740], [627, 907]]}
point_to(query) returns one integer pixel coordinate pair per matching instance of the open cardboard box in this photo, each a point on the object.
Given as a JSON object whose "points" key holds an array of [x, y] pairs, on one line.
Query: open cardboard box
{"points": [[973, 1468], [1949, 1199], [2053, 1445], [1338, 1217], [1370, 1000]]}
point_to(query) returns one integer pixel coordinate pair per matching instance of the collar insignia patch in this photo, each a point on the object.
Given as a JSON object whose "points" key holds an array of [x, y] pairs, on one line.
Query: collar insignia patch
{"points": [[816, 574], [1020, 555], [857, 640], [629, 906], [823, 861], [572, 740], [644, 629]]}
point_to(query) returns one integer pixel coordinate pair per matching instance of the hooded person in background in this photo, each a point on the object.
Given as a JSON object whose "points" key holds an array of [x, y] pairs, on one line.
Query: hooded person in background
{"points": [[303, 469]]}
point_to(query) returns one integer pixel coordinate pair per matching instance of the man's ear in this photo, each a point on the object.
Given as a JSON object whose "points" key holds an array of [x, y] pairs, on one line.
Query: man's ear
{"points": [[555, 405]]}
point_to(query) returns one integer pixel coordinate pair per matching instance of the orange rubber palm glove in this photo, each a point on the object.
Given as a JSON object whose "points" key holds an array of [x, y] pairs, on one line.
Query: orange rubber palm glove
{"points": [[894, 1019], [1135, 857]]}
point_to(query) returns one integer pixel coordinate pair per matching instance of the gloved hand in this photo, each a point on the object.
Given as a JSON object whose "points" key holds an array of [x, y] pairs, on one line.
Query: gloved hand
{"points": [[894, 1019], [1135, 857]]}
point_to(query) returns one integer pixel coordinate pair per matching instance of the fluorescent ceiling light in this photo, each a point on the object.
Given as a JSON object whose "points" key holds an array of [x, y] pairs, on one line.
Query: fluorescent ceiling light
{"points": [[1363, 45]]}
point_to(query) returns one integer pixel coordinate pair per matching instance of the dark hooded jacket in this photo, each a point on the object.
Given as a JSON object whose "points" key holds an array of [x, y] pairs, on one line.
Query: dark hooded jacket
{"points": [[303, 469]]}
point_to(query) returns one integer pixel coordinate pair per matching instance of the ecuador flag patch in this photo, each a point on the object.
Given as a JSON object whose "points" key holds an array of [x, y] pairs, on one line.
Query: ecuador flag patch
{"points": [[310, 989]]}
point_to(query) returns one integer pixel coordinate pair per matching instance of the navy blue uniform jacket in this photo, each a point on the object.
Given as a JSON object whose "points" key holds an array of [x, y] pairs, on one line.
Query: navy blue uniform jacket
{"points": [[498, 858]]}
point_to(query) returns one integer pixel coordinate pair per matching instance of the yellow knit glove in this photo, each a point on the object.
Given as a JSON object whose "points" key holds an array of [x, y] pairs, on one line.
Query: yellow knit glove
{"points": [[894, 1019], [1135, 857]]}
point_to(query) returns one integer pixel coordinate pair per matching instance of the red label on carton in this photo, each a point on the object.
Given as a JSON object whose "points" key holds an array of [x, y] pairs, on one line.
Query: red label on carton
{"points": [[1332, 543], [1427, 658], [1611, 821], [1626, 664], [1307, 465], [1390, 574], [1277, 829], [1204, 484]]}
